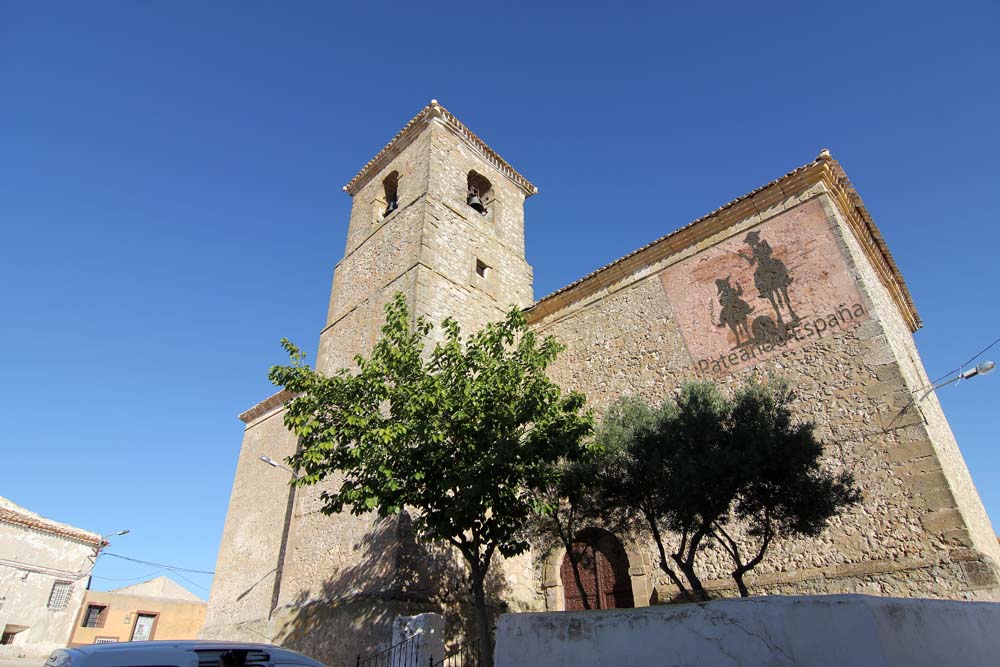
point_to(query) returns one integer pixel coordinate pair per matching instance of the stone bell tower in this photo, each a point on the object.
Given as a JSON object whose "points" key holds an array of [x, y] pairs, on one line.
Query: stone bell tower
{"points": [[438, 216]]}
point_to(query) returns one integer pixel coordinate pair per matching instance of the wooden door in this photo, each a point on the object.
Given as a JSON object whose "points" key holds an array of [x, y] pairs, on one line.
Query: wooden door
{"points": [[603, 570]]}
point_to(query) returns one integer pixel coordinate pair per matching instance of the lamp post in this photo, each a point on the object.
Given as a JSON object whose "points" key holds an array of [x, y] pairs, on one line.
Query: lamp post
{"points": [[274, 464], [983, 368], [100, 549], [279, 570]]}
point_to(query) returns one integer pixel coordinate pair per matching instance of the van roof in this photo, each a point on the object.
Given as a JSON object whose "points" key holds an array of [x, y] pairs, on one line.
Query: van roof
{"points": [[189, 645]]}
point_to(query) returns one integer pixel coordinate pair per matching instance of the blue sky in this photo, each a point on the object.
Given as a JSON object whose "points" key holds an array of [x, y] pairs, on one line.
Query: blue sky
{"points": [[171, 204]]}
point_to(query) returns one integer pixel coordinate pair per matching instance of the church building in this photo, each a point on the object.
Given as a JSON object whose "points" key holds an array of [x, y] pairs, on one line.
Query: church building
{"points": [[792, 279]]}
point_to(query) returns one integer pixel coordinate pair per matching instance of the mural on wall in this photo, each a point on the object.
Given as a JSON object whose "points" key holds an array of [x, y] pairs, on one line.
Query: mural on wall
{"points": [[774, 288]]}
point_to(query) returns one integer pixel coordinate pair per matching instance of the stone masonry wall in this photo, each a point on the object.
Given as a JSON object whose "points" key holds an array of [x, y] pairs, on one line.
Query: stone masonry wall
{"points": [[626, 339], [243, 589], [354, 574], [953, 500], [380, 258]]}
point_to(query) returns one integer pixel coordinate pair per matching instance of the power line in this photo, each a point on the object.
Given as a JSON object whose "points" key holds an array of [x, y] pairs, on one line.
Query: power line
{"points": [[167, 567], [193, 583], [155, 572], [971, 359]]}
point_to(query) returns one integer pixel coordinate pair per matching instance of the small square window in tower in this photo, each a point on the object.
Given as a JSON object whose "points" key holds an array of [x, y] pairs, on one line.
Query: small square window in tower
{"points": [[391, 185], [481, 268], [479, 192]]}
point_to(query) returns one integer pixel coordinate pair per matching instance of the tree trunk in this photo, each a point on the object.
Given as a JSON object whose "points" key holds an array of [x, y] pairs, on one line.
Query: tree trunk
{"points": [[685, 562], [575, 564], [698, 592], [566, 535], [664, 565], [738, 577], [482, 621]]}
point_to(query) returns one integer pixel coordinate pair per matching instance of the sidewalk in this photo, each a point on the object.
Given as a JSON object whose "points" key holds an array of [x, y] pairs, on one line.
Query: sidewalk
{"points": [[21, 662]]}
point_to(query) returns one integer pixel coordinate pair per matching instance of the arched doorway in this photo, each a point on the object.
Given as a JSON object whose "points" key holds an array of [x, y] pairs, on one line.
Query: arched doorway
{"points": [[603, 570]]}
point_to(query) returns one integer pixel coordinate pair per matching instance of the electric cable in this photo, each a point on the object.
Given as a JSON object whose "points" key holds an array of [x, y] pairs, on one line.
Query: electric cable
{"points": [[167, 567], [959, 369]]}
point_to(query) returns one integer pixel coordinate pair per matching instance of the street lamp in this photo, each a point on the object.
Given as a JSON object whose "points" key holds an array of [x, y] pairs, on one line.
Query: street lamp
{"points": [[983, 368], [274, 464], [99, 549]]}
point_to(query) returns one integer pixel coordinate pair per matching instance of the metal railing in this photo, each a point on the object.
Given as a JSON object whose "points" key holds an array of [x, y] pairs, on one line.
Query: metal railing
{"points": [[404, 654], [466, 655]]}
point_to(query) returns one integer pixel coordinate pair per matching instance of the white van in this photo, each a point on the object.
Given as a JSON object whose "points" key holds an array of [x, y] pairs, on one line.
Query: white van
{"points": [[179, 654]]}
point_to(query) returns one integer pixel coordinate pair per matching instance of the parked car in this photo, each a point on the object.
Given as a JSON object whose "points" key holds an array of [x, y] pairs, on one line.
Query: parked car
{"points": [[179, 654]]}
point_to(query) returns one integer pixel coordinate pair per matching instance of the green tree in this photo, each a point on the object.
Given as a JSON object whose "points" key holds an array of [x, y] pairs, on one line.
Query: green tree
{"points": [[705, 470], [783, 490], [567, 505], [460, 436]]}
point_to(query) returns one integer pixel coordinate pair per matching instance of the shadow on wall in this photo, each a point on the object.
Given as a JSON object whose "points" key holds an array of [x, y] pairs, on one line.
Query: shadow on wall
{"points": [[393, 575]]}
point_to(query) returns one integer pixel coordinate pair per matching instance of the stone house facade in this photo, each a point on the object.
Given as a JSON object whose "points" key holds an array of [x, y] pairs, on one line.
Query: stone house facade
{"points": [[44, 573], [793, 278]]}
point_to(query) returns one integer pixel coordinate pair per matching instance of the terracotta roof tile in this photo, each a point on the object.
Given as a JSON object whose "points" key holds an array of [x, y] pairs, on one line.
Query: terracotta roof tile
{"points": [[410, 130], [16, 515], [881, 256]]}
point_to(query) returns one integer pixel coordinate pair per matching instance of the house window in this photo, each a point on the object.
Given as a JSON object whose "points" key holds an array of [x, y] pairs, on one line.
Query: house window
{"points": [[59, 597], [95, 616], [9, 632], [479, 195], [481, 268], [391, 186]]}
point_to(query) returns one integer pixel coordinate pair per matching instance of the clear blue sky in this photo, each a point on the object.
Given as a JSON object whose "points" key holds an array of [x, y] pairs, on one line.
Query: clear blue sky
{"points": [[171, 204]]}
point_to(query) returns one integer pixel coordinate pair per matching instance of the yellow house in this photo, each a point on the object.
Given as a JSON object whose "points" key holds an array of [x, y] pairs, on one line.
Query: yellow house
{"points": [[156, 609]]}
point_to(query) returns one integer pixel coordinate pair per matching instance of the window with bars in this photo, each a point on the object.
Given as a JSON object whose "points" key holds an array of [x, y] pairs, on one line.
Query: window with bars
{"points": [[59, 597], [94, 618]]}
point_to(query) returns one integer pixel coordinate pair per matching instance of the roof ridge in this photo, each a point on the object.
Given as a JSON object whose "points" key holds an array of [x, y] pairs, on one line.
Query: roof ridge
{"points": [[840, 180], [12, 513], [429, 112]]}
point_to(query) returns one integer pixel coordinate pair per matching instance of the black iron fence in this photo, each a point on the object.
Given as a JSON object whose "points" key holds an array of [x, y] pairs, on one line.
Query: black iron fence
{"points": [[404, 654], [466, 655]]}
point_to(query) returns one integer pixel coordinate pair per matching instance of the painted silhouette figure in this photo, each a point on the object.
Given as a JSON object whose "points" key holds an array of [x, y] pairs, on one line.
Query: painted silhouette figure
{"points": [[771, 275], [734, 310]]}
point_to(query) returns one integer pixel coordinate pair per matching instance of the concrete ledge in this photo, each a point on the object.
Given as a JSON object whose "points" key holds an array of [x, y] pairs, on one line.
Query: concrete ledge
{"points": [[832, 630]]}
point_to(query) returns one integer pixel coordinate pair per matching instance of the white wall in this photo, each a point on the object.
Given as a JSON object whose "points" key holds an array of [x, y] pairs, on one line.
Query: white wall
{"points": [[833, 630], [30, 563]]}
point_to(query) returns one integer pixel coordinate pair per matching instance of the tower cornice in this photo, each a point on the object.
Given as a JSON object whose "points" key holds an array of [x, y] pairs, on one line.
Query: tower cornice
{"points": [[427, 115]]}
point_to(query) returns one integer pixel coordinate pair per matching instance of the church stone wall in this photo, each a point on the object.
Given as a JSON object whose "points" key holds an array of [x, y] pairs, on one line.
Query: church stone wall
{"points": [[629, 338], [331, 586], [243, 589], [935, 462]]}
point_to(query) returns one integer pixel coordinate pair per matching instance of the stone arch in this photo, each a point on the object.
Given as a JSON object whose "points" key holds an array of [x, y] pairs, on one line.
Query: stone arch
{"points": [[390, 186], [638, 570]]}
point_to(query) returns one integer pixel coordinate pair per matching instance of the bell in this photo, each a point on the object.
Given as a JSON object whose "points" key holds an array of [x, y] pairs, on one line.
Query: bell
{"points": [[393, 205], [476, 203]]}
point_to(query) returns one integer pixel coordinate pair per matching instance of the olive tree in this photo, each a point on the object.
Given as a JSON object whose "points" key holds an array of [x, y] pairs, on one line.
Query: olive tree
{"points": [[704, 469]]}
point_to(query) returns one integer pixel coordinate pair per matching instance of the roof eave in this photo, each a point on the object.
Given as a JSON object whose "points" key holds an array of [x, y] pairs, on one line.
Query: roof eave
{"points": [[823, 168], [413, 128]]}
